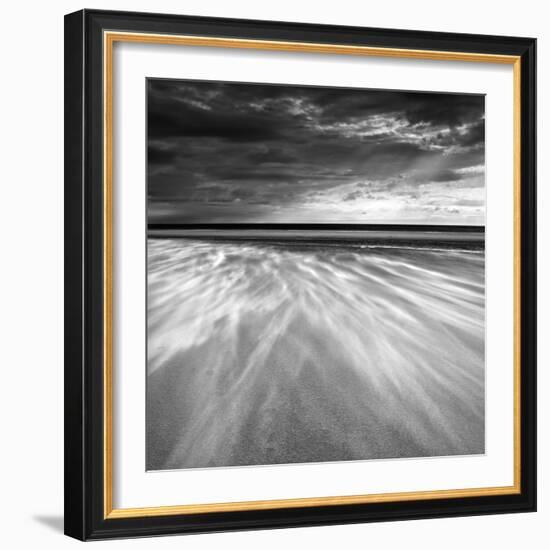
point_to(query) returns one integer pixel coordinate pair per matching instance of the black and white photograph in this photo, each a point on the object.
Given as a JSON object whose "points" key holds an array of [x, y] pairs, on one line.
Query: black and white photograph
{"points": [[315, 274]]}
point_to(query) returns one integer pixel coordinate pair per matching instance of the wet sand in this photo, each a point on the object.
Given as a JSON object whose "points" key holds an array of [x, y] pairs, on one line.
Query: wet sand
{"points": [[270, 353]]}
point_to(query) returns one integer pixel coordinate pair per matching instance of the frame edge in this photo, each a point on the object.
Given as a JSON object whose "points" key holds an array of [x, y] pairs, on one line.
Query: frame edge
{"points": [[74, 386]]}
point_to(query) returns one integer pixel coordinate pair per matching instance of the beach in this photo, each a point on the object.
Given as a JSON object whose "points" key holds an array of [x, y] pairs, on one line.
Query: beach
{"points": [[294, 350]]}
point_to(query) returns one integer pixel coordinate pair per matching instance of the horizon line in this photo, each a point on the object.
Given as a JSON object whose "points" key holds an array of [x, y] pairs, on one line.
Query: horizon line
{"points": [[317, 226]]}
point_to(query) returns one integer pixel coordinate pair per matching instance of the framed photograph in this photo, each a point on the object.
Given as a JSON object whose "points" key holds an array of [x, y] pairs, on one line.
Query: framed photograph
{"points": [[300, 274]]}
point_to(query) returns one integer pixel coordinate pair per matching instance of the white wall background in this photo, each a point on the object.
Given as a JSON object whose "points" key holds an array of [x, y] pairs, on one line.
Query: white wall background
{"points": [[31, 273]]}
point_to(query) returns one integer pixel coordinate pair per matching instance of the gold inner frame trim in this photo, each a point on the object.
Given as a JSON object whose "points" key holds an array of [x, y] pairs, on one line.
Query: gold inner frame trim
{"points": [[109, 39]]}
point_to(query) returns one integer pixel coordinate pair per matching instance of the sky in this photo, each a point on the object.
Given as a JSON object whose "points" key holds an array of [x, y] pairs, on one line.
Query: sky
{"points": [[256, 153]]}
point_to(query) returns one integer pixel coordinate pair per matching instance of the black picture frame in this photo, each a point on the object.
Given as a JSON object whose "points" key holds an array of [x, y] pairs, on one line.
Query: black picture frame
{"points": [[85, 497]]}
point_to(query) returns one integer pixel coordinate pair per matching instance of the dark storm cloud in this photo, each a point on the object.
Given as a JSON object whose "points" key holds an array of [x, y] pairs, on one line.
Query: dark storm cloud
{"points": [[160, 156], [174, 112], [190, 123], [243, 152], [417, 108]]}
